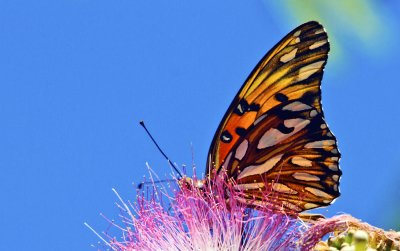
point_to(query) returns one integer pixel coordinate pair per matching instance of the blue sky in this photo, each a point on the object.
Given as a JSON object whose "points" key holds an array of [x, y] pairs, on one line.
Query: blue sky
{"points": [[76, 77]]}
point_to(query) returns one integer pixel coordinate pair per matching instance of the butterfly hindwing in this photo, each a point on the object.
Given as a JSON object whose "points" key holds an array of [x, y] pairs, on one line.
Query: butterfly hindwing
{"points": [[292, 70], [290, 152]]}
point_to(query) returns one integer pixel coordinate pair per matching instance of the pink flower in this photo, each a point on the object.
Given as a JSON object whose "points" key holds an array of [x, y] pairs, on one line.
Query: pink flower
{"points": [[203, 218]]}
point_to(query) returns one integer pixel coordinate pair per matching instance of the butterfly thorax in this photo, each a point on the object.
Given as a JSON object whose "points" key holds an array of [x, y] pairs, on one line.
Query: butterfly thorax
{"points": [[189, 183]]}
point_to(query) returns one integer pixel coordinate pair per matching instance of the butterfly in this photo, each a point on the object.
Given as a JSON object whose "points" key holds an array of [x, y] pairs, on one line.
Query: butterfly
{"points": [[274, 135]]}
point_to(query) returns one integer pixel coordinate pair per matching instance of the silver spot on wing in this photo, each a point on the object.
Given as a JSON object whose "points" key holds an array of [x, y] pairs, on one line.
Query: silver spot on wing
{"points": [[227, 159], [288, 56], [281, 188], [258, 120], [318, 44], [333, 167], [320, 144], [242, 149], [319, 31], [300, 161], [274, 136], [313, 113], [305, 176], [310, 205], [296, 106], [260, 169], [308, 70], [318, 192]]}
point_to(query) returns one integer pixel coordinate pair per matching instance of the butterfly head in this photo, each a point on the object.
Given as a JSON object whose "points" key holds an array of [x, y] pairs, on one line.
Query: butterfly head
{"points": [[189, 183]]}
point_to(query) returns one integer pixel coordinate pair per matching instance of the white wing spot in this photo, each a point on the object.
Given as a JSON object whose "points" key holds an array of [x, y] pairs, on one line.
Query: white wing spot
{"points": [[308, 70], [320, 144], [319, 31], [298, 124], [274, 136], [300, 161], [335, 187], [335, 177], [227, 159], [334, 158], [288, 56], [242, 149], [318, 192], [281, 188], [305, 176], [297, 33], [333, 167], [258, 120], [334, 151], [225, 138], [296, 106], [323, 126], [317, 44], [313, 113], [260, 169], [270, 138], [239, 107]]}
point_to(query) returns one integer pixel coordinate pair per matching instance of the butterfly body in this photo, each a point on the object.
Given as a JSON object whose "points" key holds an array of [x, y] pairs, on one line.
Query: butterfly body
{"points": [[273, 140]]}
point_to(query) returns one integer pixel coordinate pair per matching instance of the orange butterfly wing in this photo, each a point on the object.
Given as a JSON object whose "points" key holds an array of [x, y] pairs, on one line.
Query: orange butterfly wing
{"points": [[273, 136], [292, 69]]}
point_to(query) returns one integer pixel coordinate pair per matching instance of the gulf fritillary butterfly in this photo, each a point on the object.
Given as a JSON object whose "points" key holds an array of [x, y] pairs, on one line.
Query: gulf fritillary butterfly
{"points": [[273, 135]]}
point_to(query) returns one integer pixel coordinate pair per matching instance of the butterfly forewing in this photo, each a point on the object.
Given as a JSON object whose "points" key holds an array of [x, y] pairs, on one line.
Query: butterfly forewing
{"points": [[291, 70], [273, 139]]}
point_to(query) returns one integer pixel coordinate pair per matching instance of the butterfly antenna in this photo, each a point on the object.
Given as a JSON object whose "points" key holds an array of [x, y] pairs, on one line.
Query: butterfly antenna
{"points": [[141, 184], [161, 151]]}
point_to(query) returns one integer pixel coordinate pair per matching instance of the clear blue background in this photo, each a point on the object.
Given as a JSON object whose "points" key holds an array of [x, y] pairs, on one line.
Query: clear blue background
{"points": [[76, 77]]}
